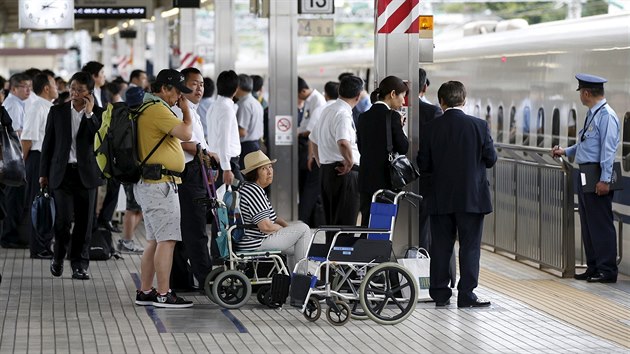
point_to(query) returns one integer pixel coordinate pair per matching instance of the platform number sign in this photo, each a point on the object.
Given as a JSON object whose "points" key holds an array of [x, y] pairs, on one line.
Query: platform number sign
{"points": [[317, 7]]}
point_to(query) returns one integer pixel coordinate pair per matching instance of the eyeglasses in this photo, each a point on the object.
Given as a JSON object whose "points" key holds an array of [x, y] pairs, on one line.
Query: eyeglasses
{"points": [[30, 87], [78, 90]]}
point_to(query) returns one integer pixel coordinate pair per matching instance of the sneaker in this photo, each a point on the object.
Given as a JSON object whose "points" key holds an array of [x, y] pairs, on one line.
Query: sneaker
{"points": [[130, 246], [170, 300], [143, 299]]}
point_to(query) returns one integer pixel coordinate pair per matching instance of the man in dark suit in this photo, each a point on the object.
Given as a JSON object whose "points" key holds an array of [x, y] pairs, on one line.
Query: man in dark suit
{"points": [[456, 150], [68, 167]]}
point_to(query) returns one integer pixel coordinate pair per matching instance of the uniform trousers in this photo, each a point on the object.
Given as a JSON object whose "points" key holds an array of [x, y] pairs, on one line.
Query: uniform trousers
{"points": [[598, 233]]}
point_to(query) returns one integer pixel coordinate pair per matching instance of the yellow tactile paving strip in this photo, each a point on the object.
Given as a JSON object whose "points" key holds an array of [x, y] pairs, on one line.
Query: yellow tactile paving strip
{"points": [[586, 311]]}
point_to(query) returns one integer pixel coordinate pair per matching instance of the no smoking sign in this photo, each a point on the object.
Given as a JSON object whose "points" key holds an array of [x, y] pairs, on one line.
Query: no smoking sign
{"points": [[284, 131]]}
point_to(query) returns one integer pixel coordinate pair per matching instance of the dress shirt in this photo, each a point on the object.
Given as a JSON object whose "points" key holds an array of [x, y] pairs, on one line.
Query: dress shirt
{"points": [[314, 100], [16, 109], [335, 124], [600, 139], [35, 122], [197, 128], [202, 109], [250, 117], [223, 138], [76, 122], [97, 96], [317, 113]]}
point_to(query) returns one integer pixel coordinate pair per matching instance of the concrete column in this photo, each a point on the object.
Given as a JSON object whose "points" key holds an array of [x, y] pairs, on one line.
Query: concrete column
{"points": [[139, 47], [187, 31], [224, 53], [161, 49], [283, 101], [108, 53]]}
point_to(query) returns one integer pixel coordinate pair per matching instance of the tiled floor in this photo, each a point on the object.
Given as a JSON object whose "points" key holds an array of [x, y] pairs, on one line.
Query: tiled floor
{"points": [[532, 312]]}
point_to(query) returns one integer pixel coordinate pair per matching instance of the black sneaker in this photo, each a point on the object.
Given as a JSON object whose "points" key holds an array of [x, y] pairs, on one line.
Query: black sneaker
{"points": [[170, 300], [143, 299]]}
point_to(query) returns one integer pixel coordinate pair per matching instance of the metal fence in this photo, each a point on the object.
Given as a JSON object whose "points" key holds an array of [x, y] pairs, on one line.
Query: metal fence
{"points": [[533, 217]]}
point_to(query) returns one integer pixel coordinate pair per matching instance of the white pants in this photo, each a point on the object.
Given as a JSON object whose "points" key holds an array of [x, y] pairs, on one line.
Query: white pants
{"points": [[292, 240]]}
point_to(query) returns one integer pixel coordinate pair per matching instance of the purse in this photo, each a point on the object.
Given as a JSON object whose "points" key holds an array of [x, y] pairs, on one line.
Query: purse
{"points": [[12, 168], [401, 171], [43, 212]]}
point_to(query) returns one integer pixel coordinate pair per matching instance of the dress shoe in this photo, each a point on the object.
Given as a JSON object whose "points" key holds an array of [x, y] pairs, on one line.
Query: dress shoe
{"points": [[56, 269], [601, 278], [107, 225], [585, 275], [80, 274], [45, 254], [442, 303], [475, 303]]}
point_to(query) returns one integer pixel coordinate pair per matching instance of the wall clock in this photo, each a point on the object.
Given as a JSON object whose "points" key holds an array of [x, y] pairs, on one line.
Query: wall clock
{"points": [[46, 14]]}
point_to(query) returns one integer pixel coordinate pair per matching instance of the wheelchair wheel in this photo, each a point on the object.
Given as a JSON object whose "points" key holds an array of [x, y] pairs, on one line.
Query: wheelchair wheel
{"points": [[356, 311], [231, 289], [262, 294], [313, 309], [341, 317], [207, 286], [388, 293]]}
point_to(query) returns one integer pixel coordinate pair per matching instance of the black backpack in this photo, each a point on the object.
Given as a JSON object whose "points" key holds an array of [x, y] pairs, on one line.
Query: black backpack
{"points": [[116, 142], [102, 246]]}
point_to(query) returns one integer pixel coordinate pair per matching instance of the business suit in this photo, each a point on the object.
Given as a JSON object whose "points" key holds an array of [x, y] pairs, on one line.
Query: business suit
{"points": [[456, 149], [372, 144], [73, 185]]}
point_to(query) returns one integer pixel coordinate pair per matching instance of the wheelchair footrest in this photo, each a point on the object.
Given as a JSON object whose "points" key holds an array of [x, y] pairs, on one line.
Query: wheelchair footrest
{"points": [[300, 285]]}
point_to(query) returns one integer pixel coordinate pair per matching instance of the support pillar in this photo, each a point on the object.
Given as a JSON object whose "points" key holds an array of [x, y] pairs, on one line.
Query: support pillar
{"points": [[161, 49], [224, 53], [139, 47]]}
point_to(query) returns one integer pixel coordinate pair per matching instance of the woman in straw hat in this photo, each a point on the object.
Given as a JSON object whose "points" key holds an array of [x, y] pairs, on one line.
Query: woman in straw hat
{"points": [[273, 233]]}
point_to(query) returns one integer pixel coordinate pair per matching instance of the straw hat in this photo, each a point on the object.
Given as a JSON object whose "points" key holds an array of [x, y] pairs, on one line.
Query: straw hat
{"points": [[255, 159]]}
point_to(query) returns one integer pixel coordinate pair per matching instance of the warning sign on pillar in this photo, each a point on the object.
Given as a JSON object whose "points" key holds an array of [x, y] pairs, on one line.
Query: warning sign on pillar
{"points": [[284, 131]]}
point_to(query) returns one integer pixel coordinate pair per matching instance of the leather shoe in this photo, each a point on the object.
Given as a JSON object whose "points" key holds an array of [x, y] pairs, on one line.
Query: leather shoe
{"points": [[56, 269], [601, 278], [475, 303], [107, 225], [80, 274], [585, 275], [442, 303], [45, 254]]}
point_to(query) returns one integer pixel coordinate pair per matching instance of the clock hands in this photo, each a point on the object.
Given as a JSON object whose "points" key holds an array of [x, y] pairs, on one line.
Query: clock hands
{"points": [[50, 5]]}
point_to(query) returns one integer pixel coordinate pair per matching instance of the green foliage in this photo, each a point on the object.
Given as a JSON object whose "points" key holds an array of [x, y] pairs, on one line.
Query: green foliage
{"points": [[347, 36]]}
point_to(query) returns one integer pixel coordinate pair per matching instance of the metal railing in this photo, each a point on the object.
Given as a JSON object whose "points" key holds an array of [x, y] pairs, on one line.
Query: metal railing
{"points": [[533, 217]]}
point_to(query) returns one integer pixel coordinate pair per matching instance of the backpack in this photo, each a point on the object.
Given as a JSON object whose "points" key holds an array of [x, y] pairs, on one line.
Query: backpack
{"points": [[232, 198], [102, 246], [116, 142]]}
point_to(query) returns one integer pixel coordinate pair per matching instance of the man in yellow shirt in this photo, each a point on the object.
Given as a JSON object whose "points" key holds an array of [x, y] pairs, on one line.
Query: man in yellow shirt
{"points": [[156, 192]]}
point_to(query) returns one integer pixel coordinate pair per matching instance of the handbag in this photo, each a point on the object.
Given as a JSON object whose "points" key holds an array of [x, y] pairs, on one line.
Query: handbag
{"points": [[418, 262], [43, 212], [12, 168], [401, 171]]}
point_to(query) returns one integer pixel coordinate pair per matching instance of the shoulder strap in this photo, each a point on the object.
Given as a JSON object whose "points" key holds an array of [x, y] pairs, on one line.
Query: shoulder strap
{"points": [[388, 127], [141, 109]]}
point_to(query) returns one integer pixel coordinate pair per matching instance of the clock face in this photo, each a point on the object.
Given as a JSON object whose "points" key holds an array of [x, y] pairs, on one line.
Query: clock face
{"points": [[46, 14]]}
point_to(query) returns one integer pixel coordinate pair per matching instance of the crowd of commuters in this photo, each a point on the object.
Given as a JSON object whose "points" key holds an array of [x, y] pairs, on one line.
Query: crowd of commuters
{"points": [[343, 150]]}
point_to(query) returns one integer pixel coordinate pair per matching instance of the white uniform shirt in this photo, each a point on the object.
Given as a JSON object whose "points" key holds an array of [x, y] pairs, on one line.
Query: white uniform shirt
{"points": [[76, 122], [35, 122], [314, 100], [16, 109], [97, 96], [250, 117], [317, 113], [223, 138], [335, 124], [197, 128]]}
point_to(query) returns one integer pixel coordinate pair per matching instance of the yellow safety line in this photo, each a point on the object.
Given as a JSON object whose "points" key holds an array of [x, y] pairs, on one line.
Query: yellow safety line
{"points": [[581, 309]]}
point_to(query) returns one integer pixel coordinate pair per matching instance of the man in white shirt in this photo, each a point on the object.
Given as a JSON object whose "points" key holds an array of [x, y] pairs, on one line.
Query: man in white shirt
{"points": [[139, 78], [223, 137], [13, 201], [45, 89], [335, 149], [312, 99], [249, 117], [194, 245]]}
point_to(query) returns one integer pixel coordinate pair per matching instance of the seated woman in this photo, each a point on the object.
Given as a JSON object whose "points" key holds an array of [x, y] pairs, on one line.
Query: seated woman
{"points": [[273, 233]]}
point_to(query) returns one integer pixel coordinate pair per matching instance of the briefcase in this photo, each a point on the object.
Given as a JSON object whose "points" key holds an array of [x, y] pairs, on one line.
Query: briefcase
{"points": [[590, 173]]}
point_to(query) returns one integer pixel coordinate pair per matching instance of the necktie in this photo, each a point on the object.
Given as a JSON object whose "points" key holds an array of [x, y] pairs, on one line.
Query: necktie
{"points": [[588, 116]]}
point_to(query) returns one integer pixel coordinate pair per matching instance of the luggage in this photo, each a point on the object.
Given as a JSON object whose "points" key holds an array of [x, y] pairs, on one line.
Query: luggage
{"points": [[102, 246], [12, 168], [43, 212]]}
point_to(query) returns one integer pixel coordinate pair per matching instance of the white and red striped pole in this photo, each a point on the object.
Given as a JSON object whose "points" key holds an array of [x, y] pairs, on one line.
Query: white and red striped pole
{"points": [[397, 16]]}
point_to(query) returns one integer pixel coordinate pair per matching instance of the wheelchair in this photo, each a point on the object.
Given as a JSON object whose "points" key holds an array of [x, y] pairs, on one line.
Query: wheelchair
{"points": [[354, 275]]}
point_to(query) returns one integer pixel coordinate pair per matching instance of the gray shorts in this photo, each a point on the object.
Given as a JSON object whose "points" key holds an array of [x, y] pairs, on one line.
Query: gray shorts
{"points": [[160, 207]]}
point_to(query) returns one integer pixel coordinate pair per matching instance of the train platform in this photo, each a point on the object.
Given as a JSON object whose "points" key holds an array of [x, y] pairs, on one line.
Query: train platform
{"points": [[532, 312]]}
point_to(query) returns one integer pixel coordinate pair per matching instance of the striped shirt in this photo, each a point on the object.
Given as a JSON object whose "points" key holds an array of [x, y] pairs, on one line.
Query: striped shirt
{"points": [[255, 207]]}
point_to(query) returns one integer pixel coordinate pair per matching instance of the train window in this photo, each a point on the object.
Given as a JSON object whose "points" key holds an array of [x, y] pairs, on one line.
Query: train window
{"points": [[555, 127], [572, 127], [526, 118], [477, 113], [499, 123], [625, 145], [540, 125]]}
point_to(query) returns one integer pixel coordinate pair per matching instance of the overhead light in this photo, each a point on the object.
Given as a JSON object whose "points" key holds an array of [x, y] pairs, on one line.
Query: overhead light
{"points": [[101, 35], [169, 13], [152, 18], [112, 31], [125, 25], [131, 22]]}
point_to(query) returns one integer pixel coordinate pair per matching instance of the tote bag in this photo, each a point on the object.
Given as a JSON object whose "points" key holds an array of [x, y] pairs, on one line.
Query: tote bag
{"points": [[418, 262]]}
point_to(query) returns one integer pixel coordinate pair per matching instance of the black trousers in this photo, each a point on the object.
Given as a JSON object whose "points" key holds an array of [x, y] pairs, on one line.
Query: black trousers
{"points": [[73, 202], [444, 229], [38, 243], [340, 196], [194, 245], [110, 201], [13, 230], [310, 208], [246, 148], [598, 232]]}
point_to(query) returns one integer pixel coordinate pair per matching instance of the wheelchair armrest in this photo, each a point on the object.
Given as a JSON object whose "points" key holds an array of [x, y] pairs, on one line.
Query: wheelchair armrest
{"points": [[351, 229], [246, 226]]}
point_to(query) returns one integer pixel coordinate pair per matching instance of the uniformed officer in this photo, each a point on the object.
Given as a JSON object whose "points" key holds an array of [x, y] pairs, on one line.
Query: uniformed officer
{"points": [[598, 144]]}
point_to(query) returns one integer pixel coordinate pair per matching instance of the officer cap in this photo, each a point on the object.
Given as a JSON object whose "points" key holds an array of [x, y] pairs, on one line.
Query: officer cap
{"points": [[589, 81]]}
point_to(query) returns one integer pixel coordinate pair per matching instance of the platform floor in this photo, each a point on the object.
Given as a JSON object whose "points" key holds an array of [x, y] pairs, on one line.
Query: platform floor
{"points": [[532, 312]]}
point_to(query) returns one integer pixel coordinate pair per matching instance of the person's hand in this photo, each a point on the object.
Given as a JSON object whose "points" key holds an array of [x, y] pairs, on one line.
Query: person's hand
{"points": [[182, 104], [228, 177], [345, 168], [89, 103], [310, 162], [43, 182], [602, 188], [557, 151]]}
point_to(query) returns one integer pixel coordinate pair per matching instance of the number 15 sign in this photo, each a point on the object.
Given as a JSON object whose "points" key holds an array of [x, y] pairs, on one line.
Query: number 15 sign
{"points": [[317, 7]]}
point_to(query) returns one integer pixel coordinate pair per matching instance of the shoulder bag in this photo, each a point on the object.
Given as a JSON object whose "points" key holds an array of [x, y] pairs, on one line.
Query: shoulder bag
{"points": [[401, 171]]}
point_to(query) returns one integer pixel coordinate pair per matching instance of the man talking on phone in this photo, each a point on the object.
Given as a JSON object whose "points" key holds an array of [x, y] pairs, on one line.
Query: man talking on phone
{"points": [[68, 167]]}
